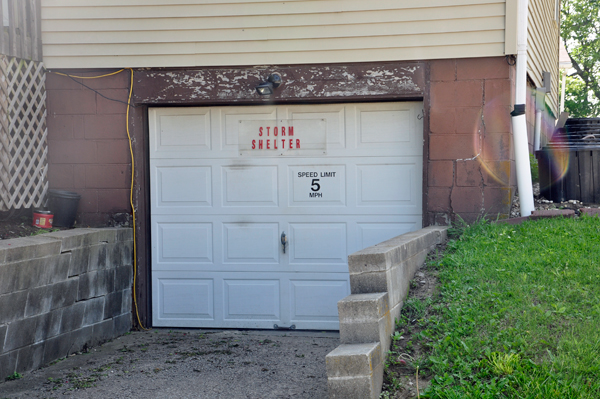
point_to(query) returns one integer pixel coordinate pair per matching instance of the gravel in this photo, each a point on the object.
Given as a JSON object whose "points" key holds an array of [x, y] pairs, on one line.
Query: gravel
{"points": [[188, 364]]}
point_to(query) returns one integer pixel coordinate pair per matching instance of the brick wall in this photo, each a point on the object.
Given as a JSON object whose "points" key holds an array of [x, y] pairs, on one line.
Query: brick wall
{"points": [[61, 292], [471, 162], [88, 150]]}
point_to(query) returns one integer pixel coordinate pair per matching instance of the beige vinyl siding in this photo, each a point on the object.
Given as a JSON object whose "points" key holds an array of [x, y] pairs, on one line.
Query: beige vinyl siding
{"points": [[185, 33], [543, 46]]}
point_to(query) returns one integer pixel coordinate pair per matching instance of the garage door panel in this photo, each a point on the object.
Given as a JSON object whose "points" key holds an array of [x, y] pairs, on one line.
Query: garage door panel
{"points": [[185, 242], [250, 186], [321, 243], [317, 185], [251, 299], [179, 186], [311, 299], [335, 120], [183, 130], [384, 128], [230, 124], [251, 243], [186, 299]]}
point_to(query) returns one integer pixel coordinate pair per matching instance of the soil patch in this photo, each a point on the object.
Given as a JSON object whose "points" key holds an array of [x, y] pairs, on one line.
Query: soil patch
{"points": [[401, 378]]}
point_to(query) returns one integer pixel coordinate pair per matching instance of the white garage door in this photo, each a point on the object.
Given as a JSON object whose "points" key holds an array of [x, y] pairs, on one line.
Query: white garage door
{"points": [[227, 182]]}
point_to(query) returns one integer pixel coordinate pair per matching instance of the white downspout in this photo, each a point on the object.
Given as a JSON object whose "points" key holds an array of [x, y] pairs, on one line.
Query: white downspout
{"points": [[562, 90], [519, 121], [540, 102]]}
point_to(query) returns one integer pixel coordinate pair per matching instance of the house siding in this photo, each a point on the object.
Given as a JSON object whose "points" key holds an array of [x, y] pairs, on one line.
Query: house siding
{"points": [[185, 33], [543, 45]]}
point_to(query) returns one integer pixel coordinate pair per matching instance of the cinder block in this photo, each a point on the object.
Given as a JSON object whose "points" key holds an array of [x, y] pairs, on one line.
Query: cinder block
{"points": [[12, 306], [8, 364], [48, 325], [95, 284], [29, 274], [123, 277], [122, 324], [81, 338], [72, 317], [126, 307], [364, 283], [124, 234], [80, 258], [112, 306], [355, 371], [73, 238], [88, 282], [353, 360], [61, 270], [94, 311], [102, 332], [20, 333], [45, 246], [98, 256], [30, 357], [9, 278], [590, 211], [107, 235], [64, 293], [2, 337], [57, 347], [375, 331], [39, 300], [363, 307], [106, 281], [114, 255], [127, 254], [18, 249]]}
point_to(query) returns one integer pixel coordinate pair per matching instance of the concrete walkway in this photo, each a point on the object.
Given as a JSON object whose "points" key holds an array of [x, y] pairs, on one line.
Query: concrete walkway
{"points": [[213, 364]]}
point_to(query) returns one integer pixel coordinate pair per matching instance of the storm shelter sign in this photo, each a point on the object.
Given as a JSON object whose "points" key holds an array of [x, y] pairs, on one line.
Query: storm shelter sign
{"points": [[284, 137]]}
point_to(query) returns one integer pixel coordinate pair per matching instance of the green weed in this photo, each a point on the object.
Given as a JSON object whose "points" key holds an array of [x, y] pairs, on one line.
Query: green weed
{"points": [[14, 376], [516, 314]]}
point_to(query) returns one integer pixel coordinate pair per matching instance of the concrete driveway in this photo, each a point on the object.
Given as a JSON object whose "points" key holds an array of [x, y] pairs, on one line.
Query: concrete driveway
{"points": [[164, 363]]}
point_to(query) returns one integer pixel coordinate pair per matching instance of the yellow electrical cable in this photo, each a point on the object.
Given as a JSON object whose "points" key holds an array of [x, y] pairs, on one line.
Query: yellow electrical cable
{"points": [[137, 313], [89, 77]]}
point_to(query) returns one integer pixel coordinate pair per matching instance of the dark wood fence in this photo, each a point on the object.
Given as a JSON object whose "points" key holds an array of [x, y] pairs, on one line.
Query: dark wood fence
{"points": [[21, 29]]}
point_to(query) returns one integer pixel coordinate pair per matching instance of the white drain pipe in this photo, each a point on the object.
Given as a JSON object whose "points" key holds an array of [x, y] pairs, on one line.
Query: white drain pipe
{"points": [[519, 121]]}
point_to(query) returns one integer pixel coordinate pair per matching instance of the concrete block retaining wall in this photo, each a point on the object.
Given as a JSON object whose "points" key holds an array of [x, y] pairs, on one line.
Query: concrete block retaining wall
{"points": [[379, 281], [62, 291]]}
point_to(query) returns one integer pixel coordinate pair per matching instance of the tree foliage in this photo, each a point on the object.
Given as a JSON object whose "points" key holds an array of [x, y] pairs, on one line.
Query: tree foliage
{"points": [[580, 30]]}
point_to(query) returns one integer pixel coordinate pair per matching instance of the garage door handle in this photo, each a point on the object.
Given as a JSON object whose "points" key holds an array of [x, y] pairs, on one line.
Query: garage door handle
{"points": [[283, 241]]}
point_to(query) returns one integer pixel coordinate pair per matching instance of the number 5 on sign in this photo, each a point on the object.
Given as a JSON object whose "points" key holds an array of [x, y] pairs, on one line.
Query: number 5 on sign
{"points": [[315, 186]]}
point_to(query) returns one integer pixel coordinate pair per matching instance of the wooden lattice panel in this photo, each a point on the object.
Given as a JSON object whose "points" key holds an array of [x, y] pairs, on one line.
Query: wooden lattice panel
{"points": [[23, 134]]}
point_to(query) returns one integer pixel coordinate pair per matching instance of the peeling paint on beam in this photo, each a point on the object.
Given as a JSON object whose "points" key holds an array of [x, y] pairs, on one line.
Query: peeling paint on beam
{"points": [[316, 83]]}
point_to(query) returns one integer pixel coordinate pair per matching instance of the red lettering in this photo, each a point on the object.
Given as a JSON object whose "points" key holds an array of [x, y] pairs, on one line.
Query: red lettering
{"points": [[274, 144], [283, 130], [268, 127], [282, 144], [275, 132], [290, 130], [297, 143], [291, 143], [253, 144], [260, 131], [260, 144], [268, 144]]}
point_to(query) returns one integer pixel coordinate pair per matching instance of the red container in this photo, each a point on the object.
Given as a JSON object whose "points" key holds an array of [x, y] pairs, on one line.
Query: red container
{"points": [[42, 219]]}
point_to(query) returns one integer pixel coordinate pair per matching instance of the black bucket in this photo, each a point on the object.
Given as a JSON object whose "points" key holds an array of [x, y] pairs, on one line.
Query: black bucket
{"points": [[64, 206]]}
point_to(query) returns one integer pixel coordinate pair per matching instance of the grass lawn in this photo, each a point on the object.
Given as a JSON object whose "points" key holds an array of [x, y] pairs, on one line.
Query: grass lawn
{"points": [[516, 315]]}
